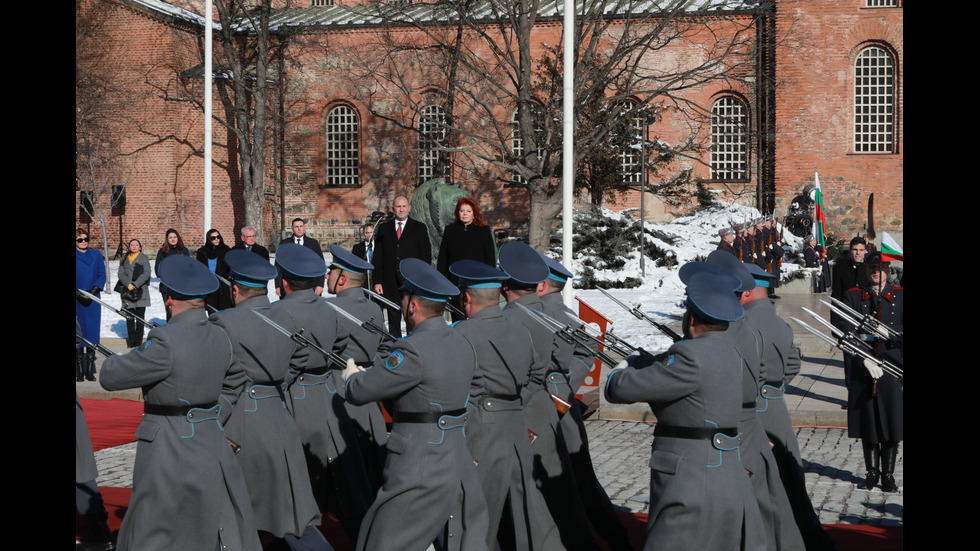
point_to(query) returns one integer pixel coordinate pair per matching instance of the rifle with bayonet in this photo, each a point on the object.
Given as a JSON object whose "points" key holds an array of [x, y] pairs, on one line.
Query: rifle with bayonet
{"points": [[864, 323], [566, 333], [369, 324], [333, 358], [850, 343], [124, 313], [99, 347], [640, 315], [608, 340]]}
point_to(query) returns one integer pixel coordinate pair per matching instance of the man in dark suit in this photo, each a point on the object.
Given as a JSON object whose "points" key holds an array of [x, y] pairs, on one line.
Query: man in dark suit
{"points": [[365, 248], [300, 238], [248, 243], [395, 241]]}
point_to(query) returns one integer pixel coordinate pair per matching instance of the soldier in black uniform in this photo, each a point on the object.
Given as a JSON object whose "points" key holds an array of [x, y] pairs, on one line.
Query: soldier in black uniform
{"points": [[875, 403]]}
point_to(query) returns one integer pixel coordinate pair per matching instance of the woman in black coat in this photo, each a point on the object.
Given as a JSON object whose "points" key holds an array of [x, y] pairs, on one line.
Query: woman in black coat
{"points": [[212, 255], [467, 238]]}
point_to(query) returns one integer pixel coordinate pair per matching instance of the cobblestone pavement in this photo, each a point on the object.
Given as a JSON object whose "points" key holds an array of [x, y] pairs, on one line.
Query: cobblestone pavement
{"points": [[621, 452]]}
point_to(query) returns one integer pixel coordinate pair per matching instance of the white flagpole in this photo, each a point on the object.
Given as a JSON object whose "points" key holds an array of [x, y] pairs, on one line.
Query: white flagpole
{"points": [[208, 77], [568, 141]]}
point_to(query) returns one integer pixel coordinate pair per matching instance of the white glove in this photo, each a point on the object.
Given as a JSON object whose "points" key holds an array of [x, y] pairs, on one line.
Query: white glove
{"points": [[351, 369], [621, 365], [875, 371], [881, 332]]}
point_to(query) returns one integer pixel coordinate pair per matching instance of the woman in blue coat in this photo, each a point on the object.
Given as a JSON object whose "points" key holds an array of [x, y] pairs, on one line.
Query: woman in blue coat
{"points": [[89, 276]]}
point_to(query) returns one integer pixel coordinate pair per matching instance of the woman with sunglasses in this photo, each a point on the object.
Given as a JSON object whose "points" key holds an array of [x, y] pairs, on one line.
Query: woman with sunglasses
{"points": [[89, 276], [212, 255]]}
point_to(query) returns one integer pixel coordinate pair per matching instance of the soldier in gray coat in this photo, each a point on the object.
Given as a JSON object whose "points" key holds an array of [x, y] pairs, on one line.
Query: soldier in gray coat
{"points": [[256, 417], [700, 494], [496, 431], [431, 491], [333, 457], [781, 362], [575, 361], [779, 524], [188, 490], [552, 468], [346, 278]]}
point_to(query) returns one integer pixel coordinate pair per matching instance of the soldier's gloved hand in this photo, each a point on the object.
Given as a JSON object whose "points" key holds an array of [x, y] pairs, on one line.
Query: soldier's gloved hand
{"points": [[875, 371], [623, 364], [95, 291], [881, 332], [351, 369]]}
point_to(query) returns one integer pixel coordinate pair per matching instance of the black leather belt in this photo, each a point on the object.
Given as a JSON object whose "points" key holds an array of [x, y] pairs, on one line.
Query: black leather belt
{"points": [[748, 405], [174, 411], [693, 433], [424, 416]]}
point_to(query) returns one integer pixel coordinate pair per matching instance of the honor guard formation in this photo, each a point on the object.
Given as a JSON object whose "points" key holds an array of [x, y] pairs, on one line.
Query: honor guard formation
{"points": [[264, 416]]}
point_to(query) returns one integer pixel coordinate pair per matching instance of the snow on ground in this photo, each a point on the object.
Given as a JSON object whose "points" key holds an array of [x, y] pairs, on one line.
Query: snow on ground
{"points": [[660, 295]]}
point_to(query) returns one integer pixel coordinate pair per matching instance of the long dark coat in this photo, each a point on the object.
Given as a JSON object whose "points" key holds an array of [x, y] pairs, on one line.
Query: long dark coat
{"points": [[878, 417], [188, 490]]}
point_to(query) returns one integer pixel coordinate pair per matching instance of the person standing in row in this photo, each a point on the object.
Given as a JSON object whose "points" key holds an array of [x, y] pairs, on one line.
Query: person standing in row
{"points": [[299, 237], [212, 254], [90, 276], [396, 240], [134, 283], [249, 244], [431, 490], [173, 244], [467, 238], [188, 490], [875, 403]]}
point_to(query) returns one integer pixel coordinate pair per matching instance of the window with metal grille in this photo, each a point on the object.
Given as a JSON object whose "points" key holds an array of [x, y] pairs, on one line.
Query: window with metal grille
{"points": [[631, 152], [319, 3], [874, 101], [517, 142], [881, 3], [432, 131], [342, 147], [729, 140]]}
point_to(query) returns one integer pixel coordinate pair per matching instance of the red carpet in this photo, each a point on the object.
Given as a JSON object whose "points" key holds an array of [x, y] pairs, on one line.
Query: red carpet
{"points": [[113, 422]]}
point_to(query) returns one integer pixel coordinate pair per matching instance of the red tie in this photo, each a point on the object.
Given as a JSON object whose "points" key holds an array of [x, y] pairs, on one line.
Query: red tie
{"points": [[399, 231]]}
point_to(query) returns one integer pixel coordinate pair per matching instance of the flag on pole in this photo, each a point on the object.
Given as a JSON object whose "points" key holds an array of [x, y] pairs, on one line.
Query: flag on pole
{"points": [[820, 221], [890, 249]]}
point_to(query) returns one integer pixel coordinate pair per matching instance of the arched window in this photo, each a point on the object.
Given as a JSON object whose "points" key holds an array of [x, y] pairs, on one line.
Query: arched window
{"points": [[432, 132], [342, 147], [874, 101], [729, 140]]}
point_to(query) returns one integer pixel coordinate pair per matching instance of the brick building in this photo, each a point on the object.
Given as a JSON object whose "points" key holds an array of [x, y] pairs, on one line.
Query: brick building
{"points": [[337, 153]]}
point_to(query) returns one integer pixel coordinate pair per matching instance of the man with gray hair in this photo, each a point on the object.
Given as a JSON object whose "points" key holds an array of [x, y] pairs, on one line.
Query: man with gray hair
{"points": [[248, 242]]}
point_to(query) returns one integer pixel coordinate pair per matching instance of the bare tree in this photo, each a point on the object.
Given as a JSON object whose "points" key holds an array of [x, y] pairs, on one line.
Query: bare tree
{"points": [[623, 50]]}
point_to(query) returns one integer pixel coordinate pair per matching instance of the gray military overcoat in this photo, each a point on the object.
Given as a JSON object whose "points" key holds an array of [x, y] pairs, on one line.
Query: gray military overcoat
{"points": [[255, 416], [188, 490]]}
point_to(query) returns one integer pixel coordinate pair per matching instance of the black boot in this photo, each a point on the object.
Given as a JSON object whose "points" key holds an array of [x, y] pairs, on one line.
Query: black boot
{"points": [[99, 536], [79, 364], [889, 455], [872, 460], [89, 364]]}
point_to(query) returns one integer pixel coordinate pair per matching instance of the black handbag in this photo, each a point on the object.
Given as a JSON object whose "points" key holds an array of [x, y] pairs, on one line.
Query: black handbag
{"points": [[135, 294]]}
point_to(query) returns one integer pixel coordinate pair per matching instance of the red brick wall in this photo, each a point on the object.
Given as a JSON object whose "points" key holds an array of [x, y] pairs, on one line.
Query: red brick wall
{"points": [[815, 78]]}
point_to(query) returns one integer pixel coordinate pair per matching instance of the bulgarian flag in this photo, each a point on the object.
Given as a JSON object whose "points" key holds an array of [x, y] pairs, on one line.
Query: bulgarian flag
{"points": [[890, 249], [820, 221]]}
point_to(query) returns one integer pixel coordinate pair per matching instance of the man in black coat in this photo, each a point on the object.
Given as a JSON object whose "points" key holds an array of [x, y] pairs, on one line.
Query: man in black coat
{"points": [[300, 238], [248, 243], [396, 240], [365, 248]]}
